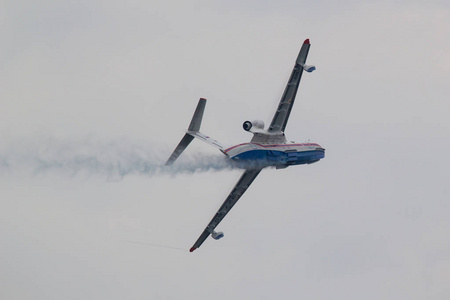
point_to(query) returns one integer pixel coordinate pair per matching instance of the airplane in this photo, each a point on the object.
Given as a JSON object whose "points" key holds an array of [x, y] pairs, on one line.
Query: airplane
{"points": [[267, 148]]}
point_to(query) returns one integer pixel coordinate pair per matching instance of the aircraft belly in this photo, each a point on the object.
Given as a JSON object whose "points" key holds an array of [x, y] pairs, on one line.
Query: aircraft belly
{"points": [[277, 158]]}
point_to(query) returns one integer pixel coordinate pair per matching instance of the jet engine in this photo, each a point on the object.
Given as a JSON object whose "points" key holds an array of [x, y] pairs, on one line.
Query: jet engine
{"points": [[217, 235], [249, 125]]}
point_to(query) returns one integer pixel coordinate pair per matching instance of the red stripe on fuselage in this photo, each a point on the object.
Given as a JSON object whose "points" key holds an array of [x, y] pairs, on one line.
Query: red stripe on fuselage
{"points": [[231, 148]]}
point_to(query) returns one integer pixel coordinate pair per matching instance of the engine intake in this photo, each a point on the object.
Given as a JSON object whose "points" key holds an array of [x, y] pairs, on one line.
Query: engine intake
{"points": [[248, 125]]}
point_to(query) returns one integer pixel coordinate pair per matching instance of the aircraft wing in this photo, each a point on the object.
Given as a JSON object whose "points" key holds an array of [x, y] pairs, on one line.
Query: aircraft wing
{"points": [[281, 116], [239, 189]]}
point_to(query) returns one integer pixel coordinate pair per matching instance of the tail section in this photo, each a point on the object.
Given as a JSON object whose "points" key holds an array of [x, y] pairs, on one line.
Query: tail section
{"points": [[187, 139], [198, 116], [194, 131]]}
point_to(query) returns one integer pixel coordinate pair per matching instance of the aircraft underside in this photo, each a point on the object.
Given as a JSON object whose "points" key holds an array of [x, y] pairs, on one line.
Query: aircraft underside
{"points": [[276, 158], [249, 155]]}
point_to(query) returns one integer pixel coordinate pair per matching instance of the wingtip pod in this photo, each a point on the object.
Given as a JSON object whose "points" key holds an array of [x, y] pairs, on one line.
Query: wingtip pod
{"points": [[192, 249], [306, 42], [308, 68]]}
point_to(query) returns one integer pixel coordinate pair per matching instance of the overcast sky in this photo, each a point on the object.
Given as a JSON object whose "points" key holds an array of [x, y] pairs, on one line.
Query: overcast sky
{"points": [[94, 95]]}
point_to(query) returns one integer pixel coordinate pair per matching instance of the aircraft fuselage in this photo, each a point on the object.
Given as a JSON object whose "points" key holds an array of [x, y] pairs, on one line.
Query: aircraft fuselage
{"points": [[276, 155]]}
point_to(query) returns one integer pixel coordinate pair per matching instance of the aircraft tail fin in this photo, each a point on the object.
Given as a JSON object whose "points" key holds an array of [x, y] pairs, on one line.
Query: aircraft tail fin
{"points": [[194, 131]]}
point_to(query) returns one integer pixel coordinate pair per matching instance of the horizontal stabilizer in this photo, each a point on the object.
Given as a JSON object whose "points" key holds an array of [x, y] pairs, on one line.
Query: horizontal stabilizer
{"points": [[193, 127], [198, 115], [193, 131], [187, 139]]}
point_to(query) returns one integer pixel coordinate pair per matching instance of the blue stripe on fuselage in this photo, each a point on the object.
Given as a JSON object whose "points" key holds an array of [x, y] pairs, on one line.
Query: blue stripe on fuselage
{"points": [[277, 158]]}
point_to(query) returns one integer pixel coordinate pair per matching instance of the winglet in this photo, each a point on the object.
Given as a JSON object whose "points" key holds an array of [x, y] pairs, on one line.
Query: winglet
{"points": [[306, 41], [192, 249]]}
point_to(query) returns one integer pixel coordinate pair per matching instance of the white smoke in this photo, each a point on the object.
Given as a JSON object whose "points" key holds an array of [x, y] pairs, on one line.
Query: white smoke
{"points": [[113, 159]]}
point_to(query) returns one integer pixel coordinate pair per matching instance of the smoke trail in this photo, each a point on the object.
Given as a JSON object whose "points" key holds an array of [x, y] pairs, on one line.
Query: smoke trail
{"points": [[113, 159], [157, 245]]}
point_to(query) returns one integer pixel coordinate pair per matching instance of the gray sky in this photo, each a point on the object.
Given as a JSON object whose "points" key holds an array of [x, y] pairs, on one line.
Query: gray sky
{"points": [[91, 91]]}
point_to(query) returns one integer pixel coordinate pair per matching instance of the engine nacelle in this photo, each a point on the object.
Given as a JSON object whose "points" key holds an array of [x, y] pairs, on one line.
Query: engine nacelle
{"points": [[217, 235], [257, 124]]}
